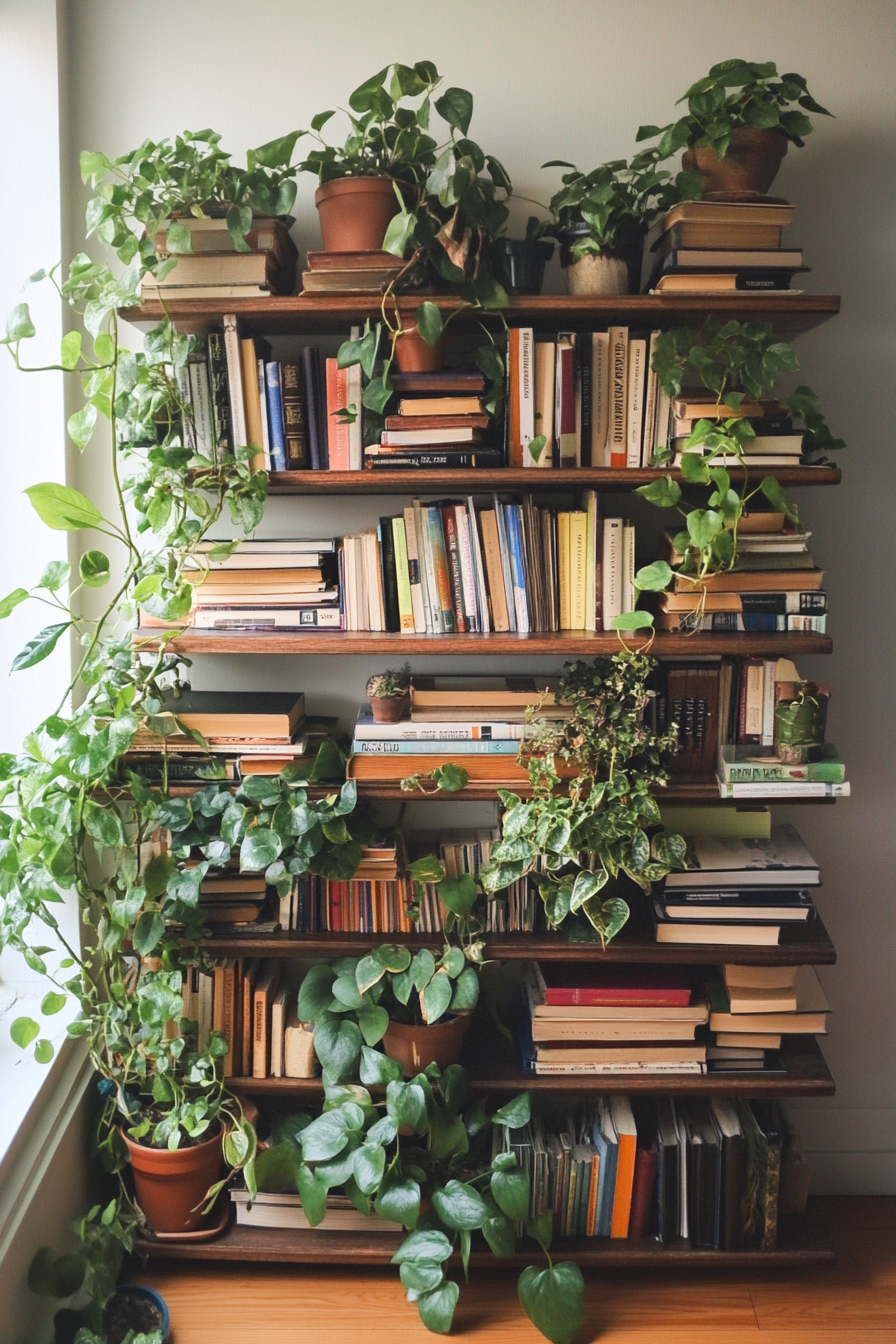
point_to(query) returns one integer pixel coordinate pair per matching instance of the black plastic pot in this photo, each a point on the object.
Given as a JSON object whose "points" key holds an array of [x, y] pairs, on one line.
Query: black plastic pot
{"points": [[519, 263]]}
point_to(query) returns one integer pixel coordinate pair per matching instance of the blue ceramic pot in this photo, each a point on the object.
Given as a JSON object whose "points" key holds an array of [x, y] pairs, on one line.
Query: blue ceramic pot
{"points": [[148, 1295]]}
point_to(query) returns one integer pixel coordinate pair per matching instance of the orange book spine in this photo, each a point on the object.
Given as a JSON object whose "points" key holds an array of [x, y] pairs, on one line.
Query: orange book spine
{"points": [[513, 396], [337, 433], [625, 1175]]}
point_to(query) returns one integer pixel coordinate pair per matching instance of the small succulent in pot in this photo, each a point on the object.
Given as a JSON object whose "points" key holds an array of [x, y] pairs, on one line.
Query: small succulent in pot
{"points": [[389, 694]]}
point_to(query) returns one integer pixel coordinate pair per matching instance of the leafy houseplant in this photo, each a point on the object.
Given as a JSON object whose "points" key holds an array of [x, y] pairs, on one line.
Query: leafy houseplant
{"points": [[741, 118], [422, 1158], [574, 844], [389, 694]]}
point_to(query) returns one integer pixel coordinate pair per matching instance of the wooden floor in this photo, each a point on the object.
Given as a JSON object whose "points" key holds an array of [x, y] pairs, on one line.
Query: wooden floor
{"points": [[851, 1303]]}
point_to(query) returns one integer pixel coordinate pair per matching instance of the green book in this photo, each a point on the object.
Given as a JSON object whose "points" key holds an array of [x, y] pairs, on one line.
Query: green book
{"points": [[402, 576]]}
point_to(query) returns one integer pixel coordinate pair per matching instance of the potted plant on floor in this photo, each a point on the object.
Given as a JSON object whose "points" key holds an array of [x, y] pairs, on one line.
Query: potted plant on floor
{"points": [[741, 119], [437, 1162], [389, 694]]}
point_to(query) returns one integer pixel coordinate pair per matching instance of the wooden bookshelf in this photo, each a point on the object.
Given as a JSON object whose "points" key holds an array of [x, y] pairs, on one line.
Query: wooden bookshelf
{"points": [[486, 480], [558, 644], [801, 1241], [305, 314]]}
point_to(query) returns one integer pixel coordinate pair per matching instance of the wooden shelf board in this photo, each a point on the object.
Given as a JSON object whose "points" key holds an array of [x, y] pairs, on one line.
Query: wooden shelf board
{"points": [[801, 1237], [478, 792], [486, 480], [801, 944], [494, 1072], [305, 314], [562, 644]]}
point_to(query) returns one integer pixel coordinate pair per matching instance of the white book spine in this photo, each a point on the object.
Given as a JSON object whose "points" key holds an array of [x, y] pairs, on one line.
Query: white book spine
{"points": [[424, 539], [618, 370], [591, 560], [184, 386], [628, 567], [768, 702], [527, 392], [202, 408], [467, 576], [612, 570], [661, 421], [414, 576], [650, 403], [479, 568], [634, 411], [600, 398], [235, 379]]}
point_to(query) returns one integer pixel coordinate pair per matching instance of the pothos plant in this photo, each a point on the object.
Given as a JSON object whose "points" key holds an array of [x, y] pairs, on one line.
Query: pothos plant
{"points": [[605, 823], [733, 360], [75, 825], [436, 1162]]}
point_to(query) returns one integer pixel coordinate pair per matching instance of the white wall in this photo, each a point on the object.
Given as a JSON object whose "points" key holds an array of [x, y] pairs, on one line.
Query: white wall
{"points": [[574, 80]]}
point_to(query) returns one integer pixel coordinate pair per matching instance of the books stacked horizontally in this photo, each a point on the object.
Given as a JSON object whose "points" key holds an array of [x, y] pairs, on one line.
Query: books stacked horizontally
{"points": [[592, 1019], [753, 1007], [770, 601], [454, 567], [283, 1208], [349, 272], [215, 270], [593, 396], [441, 421], [738, 891], [712, 247], [748, 772], [375, 900], [465, 852], [775, 443], [283, 584], [449, 715], [243, 732], [706, 1171], [235, 902]]}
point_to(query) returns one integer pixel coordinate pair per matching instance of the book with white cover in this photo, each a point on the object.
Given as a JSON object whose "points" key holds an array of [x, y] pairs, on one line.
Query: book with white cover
{"points": [[782, 860]]}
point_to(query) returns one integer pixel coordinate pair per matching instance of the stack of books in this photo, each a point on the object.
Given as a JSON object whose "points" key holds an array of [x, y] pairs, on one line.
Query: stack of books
{"points": [[753, 1007], [667, 1168], [774, 442], [738, 891], [745, 772], [440, 422], [215, 270], [593, 1019], [712, 247], [460, 852], [235, 902], [349, 272], [455, 567], [478, 722], [794, 601], [245, 733]]}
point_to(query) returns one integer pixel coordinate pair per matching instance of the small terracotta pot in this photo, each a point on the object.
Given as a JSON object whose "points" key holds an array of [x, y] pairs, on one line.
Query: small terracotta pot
{"points": [[413, 355], [417, 1047], [169, 1186], [355, 213], [751, 164], [390, 708], [598, 275]]}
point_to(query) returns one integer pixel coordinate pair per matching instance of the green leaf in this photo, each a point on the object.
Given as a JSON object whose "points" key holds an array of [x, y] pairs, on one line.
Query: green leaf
{"points": [[398, 235], [515, 1113], [277, 1168], [586, 885], [459, 1206], [373, 1022], [11, 601], [23, 1031], [52, 1003], [458, 894], [427, 869], [664, 493], [498, 1232], [775, 495], [429, 322], [394, 957], [40, 647], [260, 847], [632, 620], [378, 1069], [324, 1138], [81, 426], [70, 351], [654, 578], [703, 526], [554, 1300], [466, 991], [19, 326], [315, 993], [399, 1201], [436, 997], [511, 1191], [56, 574], [694, 468], [103, 824], [337, 1044], [423, 1246], [369, 1165], [313, 1194], [369, 971], [62, 508], [437, 1307], [148, 932], [421, 1277], [450, 778], [422, 969], [406, 1103], [456, 107], [94, 569]]}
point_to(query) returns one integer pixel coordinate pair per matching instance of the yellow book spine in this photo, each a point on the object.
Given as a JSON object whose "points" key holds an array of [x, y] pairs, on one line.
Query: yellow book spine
{"points": [[578, 528], [402, 576], [251, 402], [563, 568]]}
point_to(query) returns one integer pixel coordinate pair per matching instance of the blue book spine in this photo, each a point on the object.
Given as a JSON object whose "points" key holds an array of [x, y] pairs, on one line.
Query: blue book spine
{"points": [[506, 568], [430, 748], [513, 515], [275, 416]]}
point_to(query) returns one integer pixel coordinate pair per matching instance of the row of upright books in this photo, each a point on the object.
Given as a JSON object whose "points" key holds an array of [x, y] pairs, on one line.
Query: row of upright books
{"points": [[249, 1002]]}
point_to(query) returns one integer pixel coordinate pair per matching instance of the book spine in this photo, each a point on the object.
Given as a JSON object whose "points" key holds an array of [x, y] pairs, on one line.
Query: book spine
{"points": [[260, 379], [310, 387], [577, 540], [386, 540], [650, 403], [565, 412], [402, 576], [506, 569], [584, 397], [319, 618], [492, 548], [768, 702], [220, 395], [467, 568], [452, 550], [618, 366], [235, 380], [611, 600], [407, 731], [527, 393], [545, 361], [203, 420], [781, 789], [292, 413], [252, 404], [600, 397], [634, 410], [518, 566], [442, 573], [515, 446], [415, 579], [355, 428], [275, 416], [337, 429], [478, 567], [427, 570], [563, 569], [628, 567], [427, 457], [462, 746]]}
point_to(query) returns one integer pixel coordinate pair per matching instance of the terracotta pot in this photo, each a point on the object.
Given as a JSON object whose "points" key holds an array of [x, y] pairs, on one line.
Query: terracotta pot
{"points": [[355, 213], [413, 355], [390, 708], [169, 1186], [751, 164], [598, 275], [417, 1047]]}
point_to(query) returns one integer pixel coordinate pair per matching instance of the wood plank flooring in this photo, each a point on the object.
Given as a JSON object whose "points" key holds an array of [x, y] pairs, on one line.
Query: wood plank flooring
{"points": [[853, 1302]]}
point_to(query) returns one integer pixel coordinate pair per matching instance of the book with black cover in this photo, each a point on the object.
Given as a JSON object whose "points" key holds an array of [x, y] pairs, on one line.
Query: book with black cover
{"points": [[386, 539], [704, 1174], [668, 1171], [733, 1174]]}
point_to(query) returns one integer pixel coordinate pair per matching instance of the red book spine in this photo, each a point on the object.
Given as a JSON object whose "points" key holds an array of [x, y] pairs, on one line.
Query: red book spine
{"points": [[337, 433], [642, 1222], [609, 998], [449, 523]]}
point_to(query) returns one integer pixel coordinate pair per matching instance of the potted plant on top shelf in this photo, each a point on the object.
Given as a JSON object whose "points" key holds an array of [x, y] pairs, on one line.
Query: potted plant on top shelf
{"points": [[741, 118]]}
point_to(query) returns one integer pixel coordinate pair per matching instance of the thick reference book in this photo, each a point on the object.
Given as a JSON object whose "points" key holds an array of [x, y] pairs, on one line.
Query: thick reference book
{"points": [[585, 984]]}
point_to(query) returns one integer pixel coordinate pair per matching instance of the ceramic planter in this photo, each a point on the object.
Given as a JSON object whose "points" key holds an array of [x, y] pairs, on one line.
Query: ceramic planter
{"points": [[390, 708], [613, 272], [417, 1047], [149, 1295], [751, 164], [414, 355], [170, 1186], [605, 274], [355, 213], [519, 263]]}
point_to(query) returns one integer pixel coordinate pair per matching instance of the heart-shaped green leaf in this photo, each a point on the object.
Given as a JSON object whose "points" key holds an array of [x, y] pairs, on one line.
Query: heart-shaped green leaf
{"points": [[437, 1307], [436, 997], [511, 1191], [554, 1300], [459, 1206]]}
